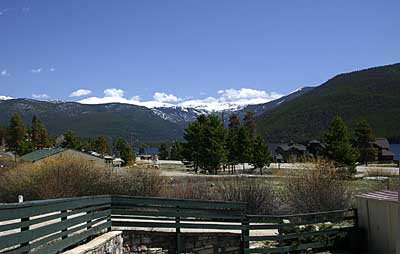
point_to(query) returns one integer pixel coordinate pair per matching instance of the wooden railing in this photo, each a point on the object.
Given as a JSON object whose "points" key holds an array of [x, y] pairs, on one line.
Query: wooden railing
{"points": [[297, 232], [51, 226]]}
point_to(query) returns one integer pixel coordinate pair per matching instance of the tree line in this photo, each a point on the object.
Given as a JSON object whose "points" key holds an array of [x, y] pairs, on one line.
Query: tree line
{"points": [[210, 146], [21, 139]]}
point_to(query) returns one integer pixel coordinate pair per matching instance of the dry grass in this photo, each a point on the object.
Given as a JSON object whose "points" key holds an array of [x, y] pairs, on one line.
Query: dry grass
{"points": [[71, 176]]}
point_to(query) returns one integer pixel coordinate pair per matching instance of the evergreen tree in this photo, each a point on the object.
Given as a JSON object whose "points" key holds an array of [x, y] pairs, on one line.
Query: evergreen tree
{"points": [[232, 140], [71, 140], [338, 147], [177, 151], [39, 134], [363, 139], [17, 135], [164, 153], [250, 123], [205, 141], [101, 145], [244, 146], [123, 150], [261, 156]]}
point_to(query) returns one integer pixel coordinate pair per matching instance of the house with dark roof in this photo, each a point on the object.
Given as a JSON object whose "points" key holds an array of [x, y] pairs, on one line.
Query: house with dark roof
{"points": [[291, 152], [384, 154], [315, 148], [58, 152]]}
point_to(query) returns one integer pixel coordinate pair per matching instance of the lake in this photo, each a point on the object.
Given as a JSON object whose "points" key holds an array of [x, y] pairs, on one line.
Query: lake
{"points": [[396, 149]]}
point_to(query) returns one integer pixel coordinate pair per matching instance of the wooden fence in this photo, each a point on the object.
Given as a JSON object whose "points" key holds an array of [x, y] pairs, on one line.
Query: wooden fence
{"points": [[51, 226]]}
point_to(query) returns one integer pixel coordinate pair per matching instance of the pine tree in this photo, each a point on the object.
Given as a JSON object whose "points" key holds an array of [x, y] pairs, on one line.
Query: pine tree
{"points": [[338, 147], [232, 141], [250, 123], [39, 134], [101, 145], [363, 139], [17, 135], [177, 151], [244, 146], [261, 156], [205, 143], [71, 140], [164, 153], [123, 150]]}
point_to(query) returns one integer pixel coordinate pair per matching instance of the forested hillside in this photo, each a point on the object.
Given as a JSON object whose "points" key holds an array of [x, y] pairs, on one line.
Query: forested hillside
{"points": [[372, 94]]}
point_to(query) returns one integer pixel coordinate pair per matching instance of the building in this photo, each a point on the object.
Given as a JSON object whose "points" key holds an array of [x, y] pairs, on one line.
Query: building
{"points": [[291, 152], [44, 154], [315, 148], [384, 154]]}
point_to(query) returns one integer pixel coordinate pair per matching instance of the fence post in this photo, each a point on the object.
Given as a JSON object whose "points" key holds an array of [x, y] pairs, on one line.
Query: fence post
{"points": [[88, 221], [64, 217], [26, 244], [179, 244], [26, 228], [245, 233]]}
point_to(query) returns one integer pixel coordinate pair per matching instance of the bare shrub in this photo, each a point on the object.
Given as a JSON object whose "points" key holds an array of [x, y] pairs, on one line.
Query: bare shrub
{"points": [[146, 182], [257, 193], [315, 189]]}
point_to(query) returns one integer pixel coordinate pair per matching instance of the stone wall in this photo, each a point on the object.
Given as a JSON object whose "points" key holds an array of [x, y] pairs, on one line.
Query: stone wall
{"points": [[152, 242], [108, 243], [195, 243]]}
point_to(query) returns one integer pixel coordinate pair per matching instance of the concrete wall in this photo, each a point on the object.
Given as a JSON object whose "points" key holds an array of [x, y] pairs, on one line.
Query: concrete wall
{"points": [[379, 222]]}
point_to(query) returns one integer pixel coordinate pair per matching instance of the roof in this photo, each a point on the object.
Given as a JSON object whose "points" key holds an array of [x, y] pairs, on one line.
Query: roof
{"points": [[392, 196], [41, 154], [387, 153], [382, 143], [287, 147]]}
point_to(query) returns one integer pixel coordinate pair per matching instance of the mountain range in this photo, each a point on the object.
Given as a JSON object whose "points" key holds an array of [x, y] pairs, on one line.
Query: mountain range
{"points": [[372, 94]]}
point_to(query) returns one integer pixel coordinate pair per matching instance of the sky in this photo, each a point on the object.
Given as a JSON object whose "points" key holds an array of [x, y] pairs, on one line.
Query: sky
{"points": [[214, 53]]}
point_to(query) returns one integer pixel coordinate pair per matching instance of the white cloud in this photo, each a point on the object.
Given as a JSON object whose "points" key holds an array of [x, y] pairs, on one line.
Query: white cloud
{"points": [[80, 92], [5, 73], [226, 100], [39, 70], [114, 95], [5, 97], [40, 96], [113, 92], [52, 69], [163, 97]]}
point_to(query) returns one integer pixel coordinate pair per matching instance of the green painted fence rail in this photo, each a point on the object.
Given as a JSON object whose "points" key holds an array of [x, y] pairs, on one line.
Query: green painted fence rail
{"points": [[52, 226]]}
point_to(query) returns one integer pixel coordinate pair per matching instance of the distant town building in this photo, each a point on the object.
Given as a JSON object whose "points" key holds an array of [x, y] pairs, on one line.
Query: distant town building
{"points": [[291, 152], [315, 148], [384, 154]]}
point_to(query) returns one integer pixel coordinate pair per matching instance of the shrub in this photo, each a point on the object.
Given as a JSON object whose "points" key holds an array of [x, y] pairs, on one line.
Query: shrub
{"points": [[72, 176], [258, 194], [315, 189]]}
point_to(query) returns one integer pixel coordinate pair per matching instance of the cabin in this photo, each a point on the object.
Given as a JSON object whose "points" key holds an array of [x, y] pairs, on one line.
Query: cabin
{"points": [[384, 154], [291, 152], [315, 148]]}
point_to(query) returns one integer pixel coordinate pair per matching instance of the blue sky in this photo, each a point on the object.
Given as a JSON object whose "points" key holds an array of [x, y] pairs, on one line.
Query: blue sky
{"points": [[188, 50]]}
